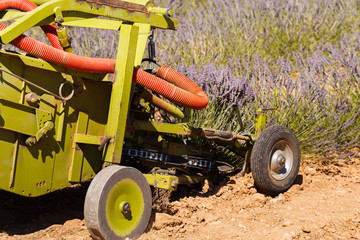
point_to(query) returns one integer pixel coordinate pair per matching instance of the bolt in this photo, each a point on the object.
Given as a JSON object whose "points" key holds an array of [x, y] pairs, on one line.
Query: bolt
{"points": [[30, 141], [174, 184], [281, 160], [31, 98], [125, 207]]}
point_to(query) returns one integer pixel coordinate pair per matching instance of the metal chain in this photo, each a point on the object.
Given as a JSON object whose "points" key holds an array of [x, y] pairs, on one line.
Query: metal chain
{"points": [[151, 49]]}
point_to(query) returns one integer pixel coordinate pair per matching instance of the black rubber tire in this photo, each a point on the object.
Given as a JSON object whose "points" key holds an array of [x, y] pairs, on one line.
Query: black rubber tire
{"points": [[95, 211], [263, 153]]}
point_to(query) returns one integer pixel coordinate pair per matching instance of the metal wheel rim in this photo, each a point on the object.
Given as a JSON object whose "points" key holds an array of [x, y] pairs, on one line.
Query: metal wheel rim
{"points": [[281, 160], [126, 191]]}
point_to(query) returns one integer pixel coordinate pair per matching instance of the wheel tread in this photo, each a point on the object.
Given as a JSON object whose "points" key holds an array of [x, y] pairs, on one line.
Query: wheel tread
{"points": [[259, 165]]}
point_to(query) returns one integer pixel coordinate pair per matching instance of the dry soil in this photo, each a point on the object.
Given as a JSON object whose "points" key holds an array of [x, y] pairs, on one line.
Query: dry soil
{"points": [[324, 203]]}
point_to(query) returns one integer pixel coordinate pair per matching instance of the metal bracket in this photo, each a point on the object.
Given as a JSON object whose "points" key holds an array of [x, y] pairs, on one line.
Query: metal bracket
{"points": [[48, 126], [162, 181], [42, 117]]}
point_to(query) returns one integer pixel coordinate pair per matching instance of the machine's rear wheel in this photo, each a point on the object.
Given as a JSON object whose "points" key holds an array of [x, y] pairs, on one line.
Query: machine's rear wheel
{"points": [[275, 160], [118, 204]]}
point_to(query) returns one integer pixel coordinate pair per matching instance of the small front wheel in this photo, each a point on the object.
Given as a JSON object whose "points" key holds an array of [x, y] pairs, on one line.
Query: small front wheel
{"points": [[275, 160], [118, 204]]}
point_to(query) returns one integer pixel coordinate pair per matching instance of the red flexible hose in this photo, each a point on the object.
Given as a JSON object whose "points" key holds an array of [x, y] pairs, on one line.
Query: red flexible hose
{"points": [[198, 97], [177, 88], [26, 6], [62, 58]]}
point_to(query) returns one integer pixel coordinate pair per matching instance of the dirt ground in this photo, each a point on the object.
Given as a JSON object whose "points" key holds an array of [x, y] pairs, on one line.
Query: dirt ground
{"points": [[323, 204]]}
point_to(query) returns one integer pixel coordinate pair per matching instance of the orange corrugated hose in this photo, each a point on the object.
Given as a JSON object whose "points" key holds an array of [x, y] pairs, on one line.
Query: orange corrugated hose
{"points": [[176, 87], [62, 58], [26, 6], [186, 86]]}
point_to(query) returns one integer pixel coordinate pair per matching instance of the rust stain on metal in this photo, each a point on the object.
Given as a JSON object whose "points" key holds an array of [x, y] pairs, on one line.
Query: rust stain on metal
{"points": [[131, 7], [112, 77]]}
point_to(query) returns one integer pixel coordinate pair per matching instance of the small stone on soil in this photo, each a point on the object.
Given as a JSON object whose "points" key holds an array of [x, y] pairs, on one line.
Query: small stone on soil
{"points": [[287, 223], [310, 171], [276, 199], [306, 229], [242, 226]]}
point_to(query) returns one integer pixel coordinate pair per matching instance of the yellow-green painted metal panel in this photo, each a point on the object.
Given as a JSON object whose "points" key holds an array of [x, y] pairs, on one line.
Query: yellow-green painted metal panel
{"points": [[86, 114], [64, 157], [45, 166], [18, 118], [94, 23], [34, 168], [7, 144], [10, 88], [92, 163]]}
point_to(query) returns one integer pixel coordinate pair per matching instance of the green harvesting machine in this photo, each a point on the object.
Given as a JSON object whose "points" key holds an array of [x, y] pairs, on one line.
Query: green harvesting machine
{"points": [[67, 119]]}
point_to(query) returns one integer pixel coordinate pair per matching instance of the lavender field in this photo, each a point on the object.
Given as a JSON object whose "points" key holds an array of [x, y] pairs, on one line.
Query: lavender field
{"points": [[244, 52]]}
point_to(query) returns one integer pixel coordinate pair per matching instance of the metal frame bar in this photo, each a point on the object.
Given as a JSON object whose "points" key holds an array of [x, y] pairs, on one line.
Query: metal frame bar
{"points": [[121, 92], [44, 14]]}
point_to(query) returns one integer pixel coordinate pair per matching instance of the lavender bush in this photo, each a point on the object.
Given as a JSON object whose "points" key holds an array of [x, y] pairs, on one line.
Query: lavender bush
{"points": [[318, 96], [216, 31], [242, 52]]}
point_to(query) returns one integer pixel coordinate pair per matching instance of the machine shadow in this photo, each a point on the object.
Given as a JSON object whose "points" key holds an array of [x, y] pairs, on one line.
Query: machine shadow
{"points": [[23, 215]]}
